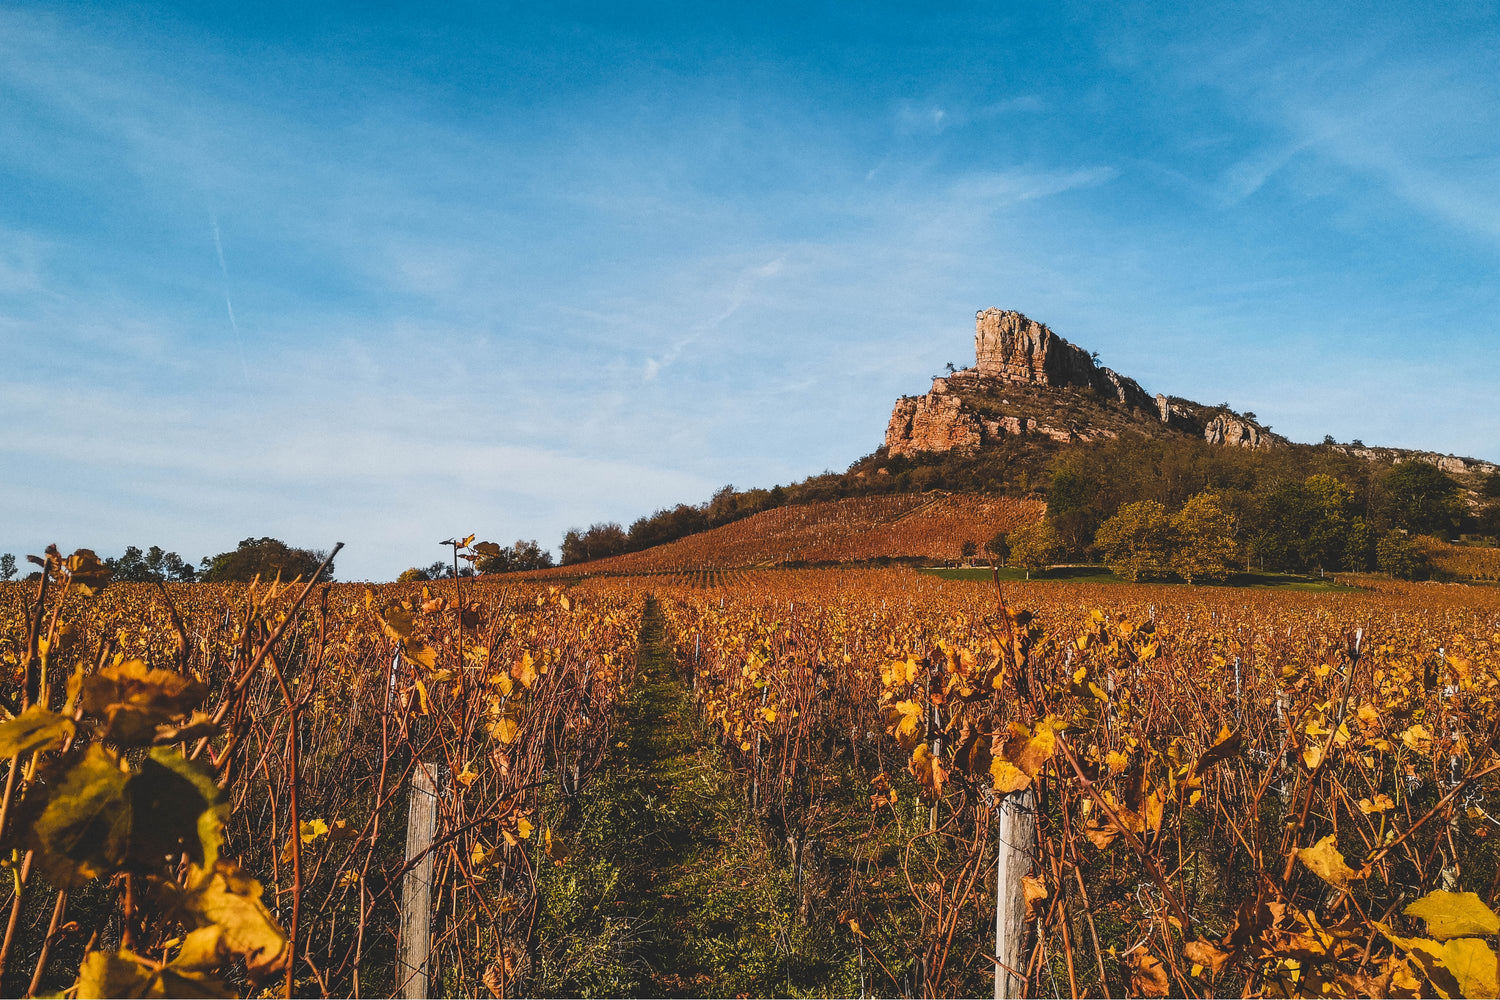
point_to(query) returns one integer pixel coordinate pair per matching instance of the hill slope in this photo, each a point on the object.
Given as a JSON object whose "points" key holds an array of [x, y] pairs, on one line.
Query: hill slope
{"points": [[930, 526]]}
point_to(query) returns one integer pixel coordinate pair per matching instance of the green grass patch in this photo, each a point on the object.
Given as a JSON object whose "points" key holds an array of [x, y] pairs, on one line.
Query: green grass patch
{"points": [[671, 890]]}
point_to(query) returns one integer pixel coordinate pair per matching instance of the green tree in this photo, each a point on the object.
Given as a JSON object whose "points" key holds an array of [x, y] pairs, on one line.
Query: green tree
{"points": [[151, 566], [1330, 502], [1204, 547], [1072, 500], [524, 555], [600, 541], [1138, 541], [7, 566], [999, 547], [1036, 546], [1400, 557], [1359, 547], [266, 558], [968, 550], [1419, 497]]}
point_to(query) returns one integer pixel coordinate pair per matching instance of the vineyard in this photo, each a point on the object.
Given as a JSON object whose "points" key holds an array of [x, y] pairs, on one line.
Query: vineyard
{"points": [[1464, 562], [918, 786], [930, 526]]}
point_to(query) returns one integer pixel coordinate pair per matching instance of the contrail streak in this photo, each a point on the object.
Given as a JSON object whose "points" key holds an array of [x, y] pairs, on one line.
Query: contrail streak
{"points": [[228, 305]]}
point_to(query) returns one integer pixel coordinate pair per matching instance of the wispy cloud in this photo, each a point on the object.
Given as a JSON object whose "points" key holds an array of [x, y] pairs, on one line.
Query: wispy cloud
{"points": [[936, 117], [566, 289]]}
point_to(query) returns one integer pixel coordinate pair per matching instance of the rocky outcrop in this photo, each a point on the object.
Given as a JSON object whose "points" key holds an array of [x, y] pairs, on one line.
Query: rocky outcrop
{"points": [[1028, 381], [934, 422], [1216, 424], [1011, 348], [1451, 464]]}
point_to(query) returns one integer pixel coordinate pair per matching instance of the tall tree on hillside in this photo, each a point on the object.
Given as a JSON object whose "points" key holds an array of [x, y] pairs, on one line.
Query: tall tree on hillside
{"points": [[600, 541], [524, 555], [1419, 497], [1399, 556], [7, 566], [1286, 517], [1359, 547], [1072, 502], [1331, 502], [999, 547]]}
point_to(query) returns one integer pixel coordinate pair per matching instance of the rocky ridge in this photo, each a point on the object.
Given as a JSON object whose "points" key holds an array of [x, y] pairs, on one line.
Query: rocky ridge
{"points": [[1028, 381]]}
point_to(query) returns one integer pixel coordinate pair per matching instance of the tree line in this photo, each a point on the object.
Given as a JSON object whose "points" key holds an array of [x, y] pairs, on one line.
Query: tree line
{"points": [[1319, 523], [1089, 482], [264, 557]]}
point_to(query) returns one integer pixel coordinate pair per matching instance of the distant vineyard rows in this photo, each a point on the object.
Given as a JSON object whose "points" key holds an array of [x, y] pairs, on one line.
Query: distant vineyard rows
{"points": [[924, 525]]}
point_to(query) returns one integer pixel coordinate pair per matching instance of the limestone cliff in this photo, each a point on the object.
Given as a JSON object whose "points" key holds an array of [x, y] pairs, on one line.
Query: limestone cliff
{"points": [[1028, 381]]}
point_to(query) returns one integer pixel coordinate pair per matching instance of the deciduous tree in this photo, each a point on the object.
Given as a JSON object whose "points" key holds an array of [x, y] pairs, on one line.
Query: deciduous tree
{"points": [[1137, 542], [1204, 548], [1036, 546]]}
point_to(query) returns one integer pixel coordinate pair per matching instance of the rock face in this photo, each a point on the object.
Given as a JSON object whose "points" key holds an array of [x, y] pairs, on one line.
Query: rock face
{"points": [[934, 422], [1012, 348], [1009, 346], [1454, 465], [1028, 381]]}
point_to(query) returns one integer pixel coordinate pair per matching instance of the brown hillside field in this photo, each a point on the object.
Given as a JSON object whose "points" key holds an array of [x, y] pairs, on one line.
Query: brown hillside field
{"points": [[906, 526], [1470, 562]]}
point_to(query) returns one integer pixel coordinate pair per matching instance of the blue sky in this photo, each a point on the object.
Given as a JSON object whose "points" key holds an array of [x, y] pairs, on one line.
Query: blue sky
{"points": [[383, 276]]}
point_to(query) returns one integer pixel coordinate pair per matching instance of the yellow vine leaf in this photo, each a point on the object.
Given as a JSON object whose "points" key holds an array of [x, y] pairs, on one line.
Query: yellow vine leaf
{"points": [[133, 699], [37, 728], [1461, 967], [419, 652], [86, 572], [1228, 744], [1148, 978], [905, 720], [1455, 914], [929, 772], [1418, 739], [1008, 777], [1324, 860], [1207, 955], [525, 671], [1035, 892]]}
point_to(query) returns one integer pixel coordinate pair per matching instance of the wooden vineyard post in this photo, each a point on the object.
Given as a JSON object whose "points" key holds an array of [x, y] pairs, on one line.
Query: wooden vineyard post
{"points": [[1017, 842], [413, 968]]}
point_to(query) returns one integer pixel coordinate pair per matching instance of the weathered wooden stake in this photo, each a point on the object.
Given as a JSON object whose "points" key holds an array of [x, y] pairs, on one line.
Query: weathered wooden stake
{"points": [[414, 968], [1017, 842]]}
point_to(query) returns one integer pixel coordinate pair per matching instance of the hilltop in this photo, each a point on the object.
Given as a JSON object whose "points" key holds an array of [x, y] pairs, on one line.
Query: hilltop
{"points": [[1028, 382], [1036, 417]]}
